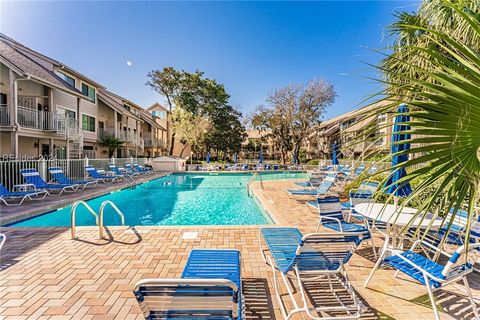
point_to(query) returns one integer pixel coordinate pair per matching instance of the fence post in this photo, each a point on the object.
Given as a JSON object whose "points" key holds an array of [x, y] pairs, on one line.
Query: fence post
{"points": [[42, 169], [86, 161], [131, 159], [112, 160]]}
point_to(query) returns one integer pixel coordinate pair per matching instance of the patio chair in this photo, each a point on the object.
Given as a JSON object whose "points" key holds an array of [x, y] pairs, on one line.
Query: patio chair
{"points": [[364, 193], [312, 257], [432, 274], [5, 195], [315, 180], [322, 189], [2, 240], [372, 170], [276, 167], [100, 175], [60, 177], [121, 172], [210, 288], [245, 167], [33, 177], [455, 234], [140, 168], [331, 217]]}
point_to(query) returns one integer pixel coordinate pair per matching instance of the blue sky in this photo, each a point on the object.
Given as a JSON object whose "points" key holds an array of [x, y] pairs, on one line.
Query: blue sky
{"points": [[250, 47]]}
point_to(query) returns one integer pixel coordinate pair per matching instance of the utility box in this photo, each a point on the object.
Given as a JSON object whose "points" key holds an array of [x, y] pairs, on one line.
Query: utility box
{"points": [[168, 163]]}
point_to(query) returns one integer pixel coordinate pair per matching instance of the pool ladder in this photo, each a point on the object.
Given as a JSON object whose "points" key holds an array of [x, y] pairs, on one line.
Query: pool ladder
{"points": [[98, 217], [252, 179]]}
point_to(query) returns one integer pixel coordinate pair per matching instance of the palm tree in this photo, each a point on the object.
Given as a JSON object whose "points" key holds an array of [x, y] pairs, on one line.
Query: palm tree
{"points": [[435, 68], [436, 15], [111, 143]]}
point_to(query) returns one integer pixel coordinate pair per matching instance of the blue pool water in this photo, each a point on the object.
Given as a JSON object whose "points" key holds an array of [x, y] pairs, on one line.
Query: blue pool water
{"points": [[178, 199]]}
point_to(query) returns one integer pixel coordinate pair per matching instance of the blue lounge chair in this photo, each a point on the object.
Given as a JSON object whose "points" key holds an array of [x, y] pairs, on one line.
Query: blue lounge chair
{"points": [[210, 288], [121, 171], [59, 176], [140, 168], [100, 175], [322, 189], [312, 257], [5, 195], [431, 274], [245, 167], [331, 217], [364, 193], [372, 170], [3, 239], [32, 176], [315, 180]]}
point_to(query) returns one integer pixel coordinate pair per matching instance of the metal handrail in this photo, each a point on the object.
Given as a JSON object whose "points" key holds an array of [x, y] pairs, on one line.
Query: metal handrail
{"points": [[102, 208], [252, 179], [74, 211]]}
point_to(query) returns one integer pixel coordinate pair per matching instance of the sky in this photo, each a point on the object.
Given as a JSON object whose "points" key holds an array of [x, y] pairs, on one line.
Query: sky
{"points": [[249, 47]]}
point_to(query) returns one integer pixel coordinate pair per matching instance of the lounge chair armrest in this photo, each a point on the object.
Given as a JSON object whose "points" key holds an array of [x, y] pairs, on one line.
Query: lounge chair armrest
{"points": [[196, 282], [430, 246], [24, 187], [333, 219]]}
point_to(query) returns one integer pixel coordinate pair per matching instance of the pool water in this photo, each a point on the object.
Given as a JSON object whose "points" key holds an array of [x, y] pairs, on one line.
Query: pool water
{"points": [[177, 199]]}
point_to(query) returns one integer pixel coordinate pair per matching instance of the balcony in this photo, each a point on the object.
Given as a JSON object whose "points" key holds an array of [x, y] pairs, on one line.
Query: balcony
{"points": [[40, 120], [5, 115], [153, 143], [107, 131]]}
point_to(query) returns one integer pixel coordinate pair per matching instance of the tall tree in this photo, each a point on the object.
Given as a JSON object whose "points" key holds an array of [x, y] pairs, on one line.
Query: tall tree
{"points": [[201, 99], [292, 111], [190, 91], [190, 129]]}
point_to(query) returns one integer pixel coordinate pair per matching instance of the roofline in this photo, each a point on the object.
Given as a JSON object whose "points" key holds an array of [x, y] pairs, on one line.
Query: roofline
{"points": [[120, 110], [12, 66], [78, 74], [48, 83], [155, 104]]}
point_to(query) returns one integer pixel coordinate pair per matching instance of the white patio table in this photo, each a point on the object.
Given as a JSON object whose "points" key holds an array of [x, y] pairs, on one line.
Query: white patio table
{"points": [[396, 217]]}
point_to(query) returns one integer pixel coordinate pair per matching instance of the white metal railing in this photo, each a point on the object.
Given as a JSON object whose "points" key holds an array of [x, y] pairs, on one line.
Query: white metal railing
{"points": [[98, 217], [73, 168], [5, 115], [46, 120], [102, 210], [73, 213]]}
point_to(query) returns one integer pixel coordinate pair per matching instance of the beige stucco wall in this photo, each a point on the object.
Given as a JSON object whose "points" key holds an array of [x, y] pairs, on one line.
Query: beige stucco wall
{"points": [[5, 143], [4, 79]]}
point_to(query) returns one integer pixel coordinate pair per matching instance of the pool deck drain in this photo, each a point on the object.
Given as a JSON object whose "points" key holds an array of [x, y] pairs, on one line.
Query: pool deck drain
{"points": [[189, 235]]}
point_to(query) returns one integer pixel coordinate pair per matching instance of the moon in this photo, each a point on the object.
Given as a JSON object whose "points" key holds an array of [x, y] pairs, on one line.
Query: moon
{"points": [[129, 63]]}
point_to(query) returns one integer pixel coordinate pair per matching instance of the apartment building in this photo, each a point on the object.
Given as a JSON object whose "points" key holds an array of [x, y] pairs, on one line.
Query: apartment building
{"points": [[349, 130], [50, 109]]}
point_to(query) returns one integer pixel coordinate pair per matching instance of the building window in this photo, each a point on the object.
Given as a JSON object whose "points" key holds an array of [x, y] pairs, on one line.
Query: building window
{"points": [[70, 114], [66, 78], [88, 123], [88, 92], [382, 117], [159, 114]]}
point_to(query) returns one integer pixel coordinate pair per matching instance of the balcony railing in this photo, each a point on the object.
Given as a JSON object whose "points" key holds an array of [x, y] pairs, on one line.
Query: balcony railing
{"points": [[5, 115], [153, 143]]}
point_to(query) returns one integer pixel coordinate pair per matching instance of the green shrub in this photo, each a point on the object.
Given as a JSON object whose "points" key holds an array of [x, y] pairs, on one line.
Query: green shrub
{"points": [[313, 162]]}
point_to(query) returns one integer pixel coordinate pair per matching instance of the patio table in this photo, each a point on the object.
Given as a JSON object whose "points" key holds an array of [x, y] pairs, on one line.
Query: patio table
{"points": [[396, 217]]}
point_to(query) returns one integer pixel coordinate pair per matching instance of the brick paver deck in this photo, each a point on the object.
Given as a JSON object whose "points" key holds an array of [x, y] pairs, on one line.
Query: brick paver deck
{"points": [[46, 275]]}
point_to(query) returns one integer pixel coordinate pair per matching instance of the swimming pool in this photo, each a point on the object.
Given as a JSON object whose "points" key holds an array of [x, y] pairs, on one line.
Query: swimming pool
{"points": [[177, 199]]}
